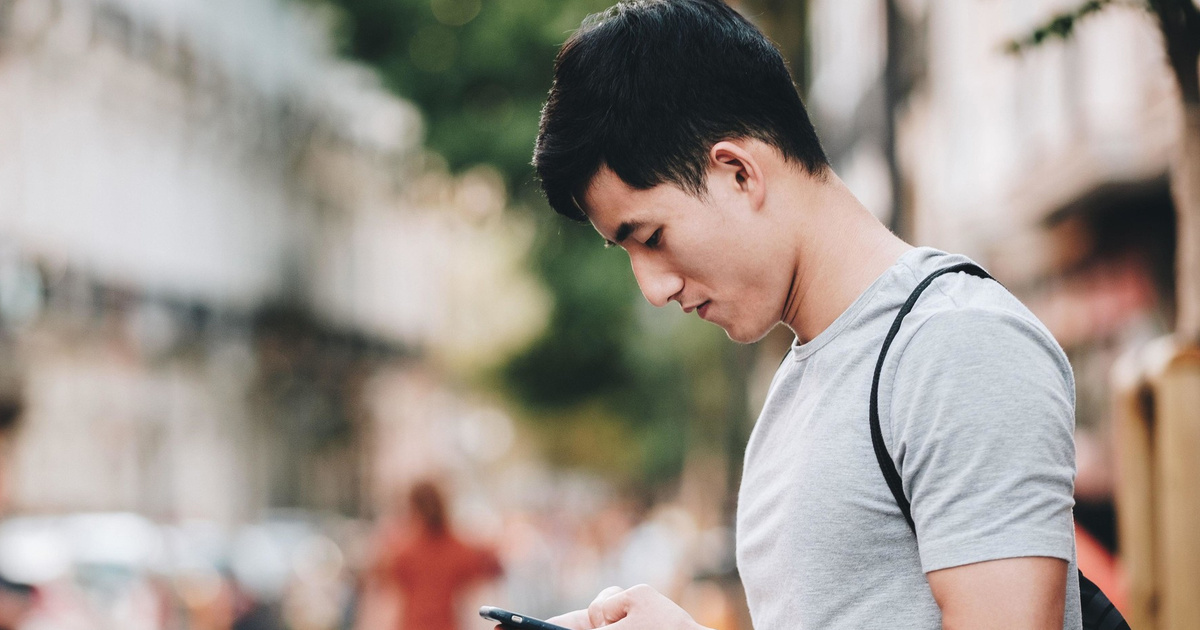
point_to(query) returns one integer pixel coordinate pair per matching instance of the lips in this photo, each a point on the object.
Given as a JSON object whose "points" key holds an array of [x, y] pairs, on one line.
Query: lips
{"points": [[699, 307]]}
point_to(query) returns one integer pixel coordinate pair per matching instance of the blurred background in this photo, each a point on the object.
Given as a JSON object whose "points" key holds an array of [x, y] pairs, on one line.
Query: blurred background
{"points": [[266, 265]]}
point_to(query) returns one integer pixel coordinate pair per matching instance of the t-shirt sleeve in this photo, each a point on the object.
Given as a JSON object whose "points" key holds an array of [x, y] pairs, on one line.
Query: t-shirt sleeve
{"points": [[982, 422]]}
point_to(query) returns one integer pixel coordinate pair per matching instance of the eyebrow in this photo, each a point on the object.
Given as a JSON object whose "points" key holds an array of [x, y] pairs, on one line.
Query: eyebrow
{"points": [[623, 231]]}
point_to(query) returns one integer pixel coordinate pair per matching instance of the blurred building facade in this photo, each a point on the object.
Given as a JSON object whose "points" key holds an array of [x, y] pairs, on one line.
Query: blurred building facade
{"points": [[223, 255], [1049, 166]]}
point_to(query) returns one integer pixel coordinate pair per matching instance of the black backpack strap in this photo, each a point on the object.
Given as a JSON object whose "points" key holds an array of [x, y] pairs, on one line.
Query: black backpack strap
{"points": [[890, 474], [1098, 612]]}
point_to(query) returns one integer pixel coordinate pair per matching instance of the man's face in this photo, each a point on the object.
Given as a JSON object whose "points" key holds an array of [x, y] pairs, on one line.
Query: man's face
{"points": [[714, 255]]}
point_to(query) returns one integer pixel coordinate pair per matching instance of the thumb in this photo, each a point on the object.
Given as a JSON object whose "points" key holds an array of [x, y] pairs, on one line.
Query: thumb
{"points": [[598, 611], [612, 609]]}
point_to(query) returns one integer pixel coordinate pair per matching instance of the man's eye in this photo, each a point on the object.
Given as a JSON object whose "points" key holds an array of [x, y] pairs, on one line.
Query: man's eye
{"points": [[654, 238]]}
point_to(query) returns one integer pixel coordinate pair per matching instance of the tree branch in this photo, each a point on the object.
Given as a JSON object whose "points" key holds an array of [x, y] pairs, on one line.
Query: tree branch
{"points": [[1061, 26]]}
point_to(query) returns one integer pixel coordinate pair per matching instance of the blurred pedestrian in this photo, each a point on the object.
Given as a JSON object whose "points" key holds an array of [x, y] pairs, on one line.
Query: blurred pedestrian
{"points": [[427, 566]]}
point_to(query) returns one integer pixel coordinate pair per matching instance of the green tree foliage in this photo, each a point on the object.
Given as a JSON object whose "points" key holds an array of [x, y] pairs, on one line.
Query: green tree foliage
{"points": [[1179, 21], [478, 70], [609, 381]]}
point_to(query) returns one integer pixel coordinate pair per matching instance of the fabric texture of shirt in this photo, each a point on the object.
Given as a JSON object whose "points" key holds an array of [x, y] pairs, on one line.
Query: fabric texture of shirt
{"points": [[977, 408]]}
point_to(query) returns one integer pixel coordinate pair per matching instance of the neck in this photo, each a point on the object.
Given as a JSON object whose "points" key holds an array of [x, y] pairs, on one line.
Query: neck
{"points": [[839, 253]]}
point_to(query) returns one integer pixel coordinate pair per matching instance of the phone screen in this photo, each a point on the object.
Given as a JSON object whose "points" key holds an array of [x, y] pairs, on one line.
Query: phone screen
{"points": [[515, 620]]}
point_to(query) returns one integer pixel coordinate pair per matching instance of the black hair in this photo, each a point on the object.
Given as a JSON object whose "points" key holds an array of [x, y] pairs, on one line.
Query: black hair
{"points": [[648, 86]]}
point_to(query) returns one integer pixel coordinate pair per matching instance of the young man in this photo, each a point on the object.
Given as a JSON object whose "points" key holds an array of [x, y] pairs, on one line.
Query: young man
{"points": [[674, 128]]}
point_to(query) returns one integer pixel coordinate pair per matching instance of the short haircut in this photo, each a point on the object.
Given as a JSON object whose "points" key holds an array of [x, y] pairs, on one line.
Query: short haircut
{"points": [[649, 86]]}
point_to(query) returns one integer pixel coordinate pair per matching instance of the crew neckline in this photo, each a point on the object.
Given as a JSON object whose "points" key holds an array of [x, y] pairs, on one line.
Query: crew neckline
{"points": [[805, 350]]}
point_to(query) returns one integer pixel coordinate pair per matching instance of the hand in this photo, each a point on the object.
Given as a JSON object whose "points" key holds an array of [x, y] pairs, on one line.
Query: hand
{"points": [[637, 608]]}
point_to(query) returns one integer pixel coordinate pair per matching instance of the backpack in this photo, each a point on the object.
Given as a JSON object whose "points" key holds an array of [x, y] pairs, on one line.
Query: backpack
{"points": [[1098, 612]]}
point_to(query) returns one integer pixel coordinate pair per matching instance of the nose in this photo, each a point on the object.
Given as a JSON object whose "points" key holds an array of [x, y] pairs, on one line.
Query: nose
{"points": [[656, 280]]}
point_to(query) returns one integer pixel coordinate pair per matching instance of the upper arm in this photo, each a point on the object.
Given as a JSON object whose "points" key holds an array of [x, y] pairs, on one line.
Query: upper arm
{"points": [[1009, 593], [982, 423], [982, 419]]}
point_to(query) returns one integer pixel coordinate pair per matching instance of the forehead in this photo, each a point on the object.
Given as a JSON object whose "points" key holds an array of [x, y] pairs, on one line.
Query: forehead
{"points": [[609, 203]]}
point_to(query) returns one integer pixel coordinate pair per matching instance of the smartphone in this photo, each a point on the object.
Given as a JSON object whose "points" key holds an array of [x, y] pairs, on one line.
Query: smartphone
{"points": [[513, 620]]}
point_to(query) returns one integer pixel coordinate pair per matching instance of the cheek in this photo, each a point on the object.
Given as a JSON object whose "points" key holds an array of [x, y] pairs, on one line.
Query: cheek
{"points": [[747, 269], [723, 257], [728, 258]]}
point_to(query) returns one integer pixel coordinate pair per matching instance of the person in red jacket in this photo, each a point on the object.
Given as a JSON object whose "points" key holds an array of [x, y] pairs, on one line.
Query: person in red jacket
{"points": [[428, 566]]}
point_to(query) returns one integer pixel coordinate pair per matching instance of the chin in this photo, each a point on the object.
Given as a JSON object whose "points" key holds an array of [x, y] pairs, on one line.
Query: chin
{"points": [[746, 335]]}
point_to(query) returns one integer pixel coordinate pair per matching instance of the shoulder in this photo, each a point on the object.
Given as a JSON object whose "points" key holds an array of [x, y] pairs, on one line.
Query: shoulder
{"points": [[962, 321], [982, 369], [959, 345], [956, 332], [970, 345]]}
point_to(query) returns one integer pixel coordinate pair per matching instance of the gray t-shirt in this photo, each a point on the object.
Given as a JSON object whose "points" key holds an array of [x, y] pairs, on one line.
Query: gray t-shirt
{"points": [[977, 409]]}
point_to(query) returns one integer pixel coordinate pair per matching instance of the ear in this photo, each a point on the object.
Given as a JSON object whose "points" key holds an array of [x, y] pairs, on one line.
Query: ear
{"points": [[731, 164]]}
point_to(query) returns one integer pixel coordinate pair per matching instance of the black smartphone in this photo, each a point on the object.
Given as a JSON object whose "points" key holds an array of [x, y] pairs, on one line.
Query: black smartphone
{"points": [[513, 620]]}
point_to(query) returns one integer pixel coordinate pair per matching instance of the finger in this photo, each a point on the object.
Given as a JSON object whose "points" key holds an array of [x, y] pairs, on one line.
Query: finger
{"points": [[612, 609], [595, 611], [574, 620], [606, 593]]}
